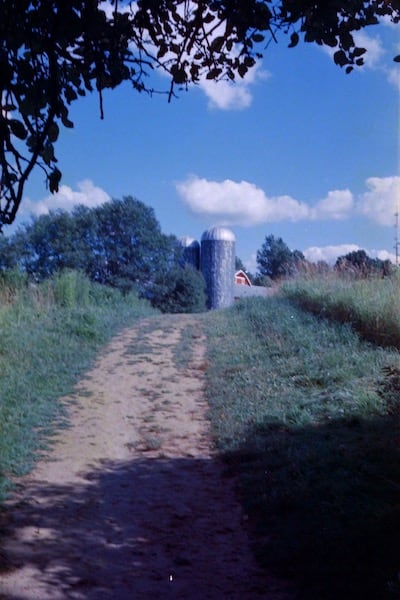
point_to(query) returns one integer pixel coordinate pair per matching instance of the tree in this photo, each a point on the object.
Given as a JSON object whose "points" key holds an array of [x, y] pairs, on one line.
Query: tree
{"points": [[359, 264], [119, 244], [128, 249], [48, 244], [275, 259], [53, 52]]}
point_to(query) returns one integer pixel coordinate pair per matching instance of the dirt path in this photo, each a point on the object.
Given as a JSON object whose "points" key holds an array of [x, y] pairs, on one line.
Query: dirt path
{"points": [[130, 501]]}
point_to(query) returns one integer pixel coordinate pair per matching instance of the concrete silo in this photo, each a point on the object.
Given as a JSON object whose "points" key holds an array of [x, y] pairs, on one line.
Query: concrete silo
{"points": [[190, 251], [218, 266]]}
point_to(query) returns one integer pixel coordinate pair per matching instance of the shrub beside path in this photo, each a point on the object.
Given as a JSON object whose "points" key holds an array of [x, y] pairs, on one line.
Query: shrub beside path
{"points": [[130, 501]]}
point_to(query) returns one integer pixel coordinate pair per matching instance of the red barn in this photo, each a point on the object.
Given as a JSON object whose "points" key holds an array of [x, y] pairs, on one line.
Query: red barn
{"points": [[241, 278]]}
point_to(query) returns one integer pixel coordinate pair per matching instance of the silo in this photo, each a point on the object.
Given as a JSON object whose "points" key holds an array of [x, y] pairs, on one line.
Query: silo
{"points": [[190, 252], [218, 266]]}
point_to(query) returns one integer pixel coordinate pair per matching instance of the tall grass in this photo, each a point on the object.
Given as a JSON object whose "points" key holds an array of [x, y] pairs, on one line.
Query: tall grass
{"points": [[300, 411], [49, 334], [370, 306]]}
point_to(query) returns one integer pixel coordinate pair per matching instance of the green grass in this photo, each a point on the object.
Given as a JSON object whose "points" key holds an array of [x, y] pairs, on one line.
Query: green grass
{"points": [[305, 418], [49, 335], [370, 306]]}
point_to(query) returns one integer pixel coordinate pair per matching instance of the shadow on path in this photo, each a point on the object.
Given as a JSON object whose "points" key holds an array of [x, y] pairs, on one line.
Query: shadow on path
{"points": [[138, 529]]}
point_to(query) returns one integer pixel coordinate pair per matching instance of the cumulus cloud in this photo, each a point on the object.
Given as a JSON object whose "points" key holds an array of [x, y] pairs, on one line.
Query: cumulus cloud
{"points": [[66, 198], [383, 255], [382, 199], [374, 47], [328, 254], [376, 52], [228, 95], [337, 205], [231, 202], [372, 44], [243, 203], [393, 76], [238, 203]]}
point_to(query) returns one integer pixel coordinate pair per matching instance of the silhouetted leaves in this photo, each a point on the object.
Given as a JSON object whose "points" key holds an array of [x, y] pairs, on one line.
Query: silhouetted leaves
{"points": [[294, 40], [54, 53]]}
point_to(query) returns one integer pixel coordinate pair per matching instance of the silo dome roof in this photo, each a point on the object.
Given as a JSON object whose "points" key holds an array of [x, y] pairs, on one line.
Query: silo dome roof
{"points": [[188, 242], [218, 233]]}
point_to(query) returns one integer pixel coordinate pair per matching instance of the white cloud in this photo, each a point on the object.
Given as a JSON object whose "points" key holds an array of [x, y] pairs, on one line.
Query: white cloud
{"points": [[228, 95], [243, 203], [382, 199], [375, 52], [337, 205], [66, 198], [328, 254], [373, 45], [383, 255], [238, 203], [393, 76]]}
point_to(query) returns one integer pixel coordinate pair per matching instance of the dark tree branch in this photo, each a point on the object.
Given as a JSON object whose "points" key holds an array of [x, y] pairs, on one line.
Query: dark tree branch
{"points": [[49, 58]]}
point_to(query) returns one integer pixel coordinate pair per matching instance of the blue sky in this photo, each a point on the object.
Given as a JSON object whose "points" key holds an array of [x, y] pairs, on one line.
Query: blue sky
{"points": [[298, 149]]}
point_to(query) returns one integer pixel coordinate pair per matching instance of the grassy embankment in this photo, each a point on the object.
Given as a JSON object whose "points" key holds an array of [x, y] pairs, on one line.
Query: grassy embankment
{"points": [[308, 420], [49, 334], [370, 306]]}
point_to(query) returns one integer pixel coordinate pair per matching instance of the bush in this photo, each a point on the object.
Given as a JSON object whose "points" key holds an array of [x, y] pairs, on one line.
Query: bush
{"points": [[183, 291]]}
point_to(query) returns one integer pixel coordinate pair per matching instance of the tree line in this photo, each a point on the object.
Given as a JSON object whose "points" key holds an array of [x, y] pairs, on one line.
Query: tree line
{"points": [[118, 244], [275, 261]]}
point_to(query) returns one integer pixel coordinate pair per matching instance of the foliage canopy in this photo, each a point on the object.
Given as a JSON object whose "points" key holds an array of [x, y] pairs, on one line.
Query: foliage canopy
{"points": [[118, 244], [53, 52], [275, 259], [359, 264]]}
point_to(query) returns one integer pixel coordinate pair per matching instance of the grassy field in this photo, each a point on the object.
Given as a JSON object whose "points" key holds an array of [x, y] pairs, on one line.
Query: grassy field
{"points": [[370, 306], [303, 409], [306, 417], [49, 336]]}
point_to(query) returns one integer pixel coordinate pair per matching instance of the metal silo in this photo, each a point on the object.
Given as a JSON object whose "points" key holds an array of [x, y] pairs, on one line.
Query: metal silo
{"points": [[218, 266], [190, 252]]}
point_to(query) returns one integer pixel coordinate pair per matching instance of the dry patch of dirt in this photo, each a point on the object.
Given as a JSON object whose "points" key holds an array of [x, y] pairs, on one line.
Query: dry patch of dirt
{"points": [[130, 501]]}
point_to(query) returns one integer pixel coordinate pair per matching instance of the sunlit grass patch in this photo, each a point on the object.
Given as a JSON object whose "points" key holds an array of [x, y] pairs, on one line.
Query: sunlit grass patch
{"points": [[47, 341]]}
